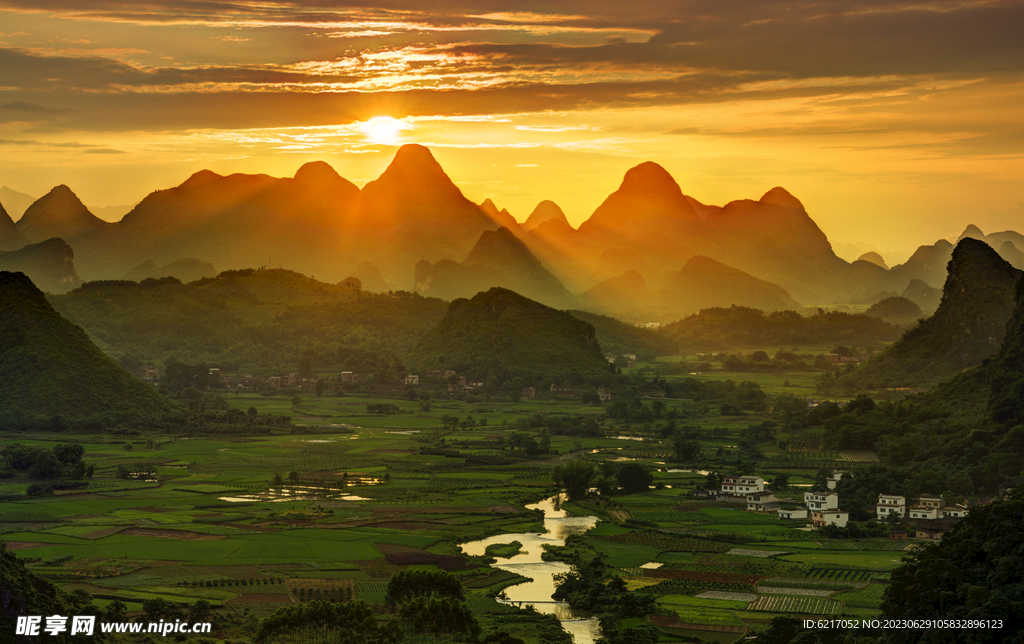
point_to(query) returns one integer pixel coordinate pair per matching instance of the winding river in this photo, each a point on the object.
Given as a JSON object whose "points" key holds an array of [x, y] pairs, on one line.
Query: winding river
{"points": [[528, 563]]}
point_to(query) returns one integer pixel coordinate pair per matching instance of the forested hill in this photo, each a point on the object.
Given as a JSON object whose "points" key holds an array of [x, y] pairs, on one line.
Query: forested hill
{"points": [[968, 326], [25, 593], [273, 320], [616, 336], [49, 368], [742, 327], [970, 426], [251, 319], [501, 335]]}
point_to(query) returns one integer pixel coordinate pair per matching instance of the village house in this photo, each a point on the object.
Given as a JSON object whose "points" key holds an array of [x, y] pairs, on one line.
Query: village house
{"points": [[528, 393], [791, 513], [762, 502], [898, 535], [274, 381], [412, 379], [604, 394], [149, 373], [919, 512], [436, 373], [955, 511], [742, 485], [347, 377], [890, 504], [833, 480], [821, 500], [830, 517]]}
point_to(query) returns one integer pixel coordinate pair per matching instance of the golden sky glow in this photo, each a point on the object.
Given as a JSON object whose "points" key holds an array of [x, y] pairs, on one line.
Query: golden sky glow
{"points": [[894, 123]]}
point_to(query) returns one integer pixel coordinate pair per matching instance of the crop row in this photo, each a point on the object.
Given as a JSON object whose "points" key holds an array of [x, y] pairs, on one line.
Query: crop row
{"points": [[704, 576], [838, 574], [324, 594], [693, 587], [669, 542], [799, 605]]}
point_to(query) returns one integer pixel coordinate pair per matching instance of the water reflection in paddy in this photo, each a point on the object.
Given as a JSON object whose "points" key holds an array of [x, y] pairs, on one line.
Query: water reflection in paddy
{"points": [[528, 563]]}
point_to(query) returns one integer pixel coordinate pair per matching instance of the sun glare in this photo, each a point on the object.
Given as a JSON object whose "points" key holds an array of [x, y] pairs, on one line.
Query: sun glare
{"points": [[383, 129]]}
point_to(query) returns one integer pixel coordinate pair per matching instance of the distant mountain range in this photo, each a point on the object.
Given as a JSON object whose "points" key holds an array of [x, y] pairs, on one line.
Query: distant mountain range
{"points": [[649, 252]]}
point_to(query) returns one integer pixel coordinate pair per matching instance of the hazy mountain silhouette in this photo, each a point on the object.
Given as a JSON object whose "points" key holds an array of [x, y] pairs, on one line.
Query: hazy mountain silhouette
{"points": [[10, 237], [16, 202], [977, 299], [415, 196], [500, 217], [545, 212], [924, 296], [321, 224], [896, 310], [499, 258], [648, 209], [59, 213], [1009, 251], [370, 277], [874, 258], [499, 335], [234, 221], [50, 367], [50, 264], [702, 283], [186, 270], [626, 292], [705, 283]]}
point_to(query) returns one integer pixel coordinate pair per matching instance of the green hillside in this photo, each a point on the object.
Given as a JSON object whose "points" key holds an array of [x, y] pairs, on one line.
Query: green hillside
{"points": [[742, 327], [49, 367], [619, 337], [500, 335], [251, 319], [968, 326]]}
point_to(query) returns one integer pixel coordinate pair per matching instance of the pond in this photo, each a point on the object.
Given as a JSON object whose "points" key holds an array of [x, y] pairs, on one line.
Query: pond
{"points": [[528, 563]]}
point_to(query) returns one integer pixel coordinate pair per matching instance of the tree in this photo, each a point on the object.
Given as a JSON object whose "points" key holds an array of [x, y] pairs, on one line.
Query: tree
{"points": [[296, 401], [712, 482], [973, 573], [115, 611], [575, 476], [684, 450], [252, 412], [321, 384], [780, 483], [634, 477], [293, 476]]}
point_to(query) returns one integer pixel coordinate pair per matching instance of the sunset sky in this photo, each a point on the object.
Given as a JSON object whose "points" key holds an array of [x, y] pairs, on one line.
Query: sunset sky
{"points": [[895, 123]]}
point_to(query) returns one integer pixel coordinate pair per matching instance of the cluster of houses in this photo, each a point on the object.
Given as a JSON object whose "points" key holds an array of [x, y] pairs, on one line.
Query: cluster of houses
{"points": [[630, 358], [929, 514], [836, 358], [292, 380], [561, 391]]}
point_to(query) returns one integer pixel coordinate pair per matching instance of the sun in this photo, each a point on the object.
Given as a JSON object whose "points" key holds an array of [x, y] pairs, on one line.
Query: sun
{"points": [[383, 129]]}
